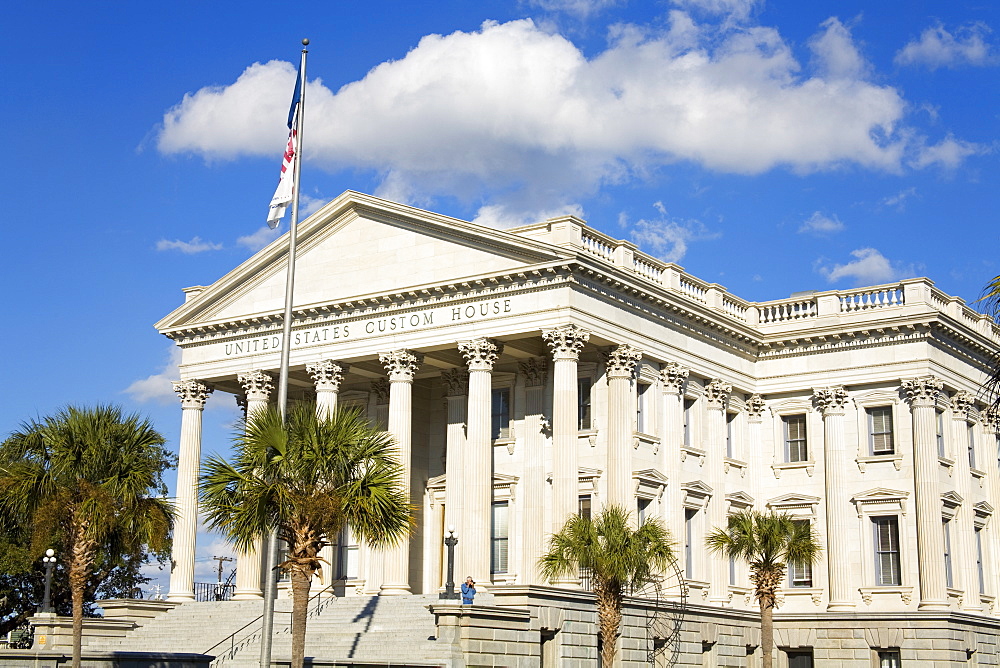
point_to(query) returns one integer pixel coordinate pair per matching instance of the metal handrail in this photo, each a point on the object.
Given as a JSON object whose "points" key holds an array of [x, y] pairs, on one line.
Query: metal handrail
{"points": [[232, 636]]}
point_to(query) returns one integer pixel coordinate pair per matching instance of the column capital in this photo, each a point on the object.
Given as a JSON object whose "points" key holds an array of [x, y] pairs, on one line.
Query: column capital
{"points": [[991, 416], [673, 376], [622, 360], [401, 365], [831, 400], [535, 371], [922, 391], [456, 382], [755, 408], [480, 354], [717, 394], [963, 405], [566, 341], [380, 386], [256, 384], [193, 393], [327, 374]]}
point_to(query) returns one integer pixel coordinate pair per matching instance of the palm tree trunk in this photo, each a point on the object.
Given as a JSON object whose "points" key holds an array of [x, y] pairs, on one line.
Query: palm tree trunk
{"points": [[609, 614], [300, 605], [766, 630]]}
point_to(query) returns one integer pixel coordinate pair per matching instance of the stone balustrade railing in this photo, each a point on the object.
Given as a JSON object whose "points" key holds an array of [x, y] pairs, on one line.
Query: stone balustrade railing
{"points": [[573, 232]]}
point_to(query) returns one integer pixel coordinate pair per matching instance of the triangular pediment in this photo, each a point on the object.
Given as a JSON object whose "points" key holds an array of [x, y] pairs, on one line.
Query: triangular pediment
{"points": [[880, 494], [360, 247], [793, 500], [739, 499]]}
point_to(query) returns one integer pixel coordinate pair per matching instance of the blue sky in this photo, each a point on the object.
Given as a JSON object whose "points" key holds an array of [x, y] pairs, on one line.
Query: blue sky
{"points": [[770, 146]]}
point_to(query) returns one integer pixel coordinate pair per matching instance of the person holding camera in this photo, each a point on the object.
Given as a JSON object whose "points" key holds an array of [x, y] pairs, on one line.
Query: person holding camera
{"points": [[468, 591]]}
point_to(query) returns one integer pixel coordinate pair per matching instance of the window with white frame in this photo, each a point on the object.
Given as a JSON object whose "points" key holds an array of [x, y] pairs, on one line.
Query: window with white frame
{"points": [[796, 449], [500, 413], [880, 438], [644, 408], [978, 533], [583, 506], [800, 575], [940, 434], [347, 555], [948, 576], [584, 386], [689, 521], [499, 531], [972, 444], [730, 434], [688, 426], [886, 543]]}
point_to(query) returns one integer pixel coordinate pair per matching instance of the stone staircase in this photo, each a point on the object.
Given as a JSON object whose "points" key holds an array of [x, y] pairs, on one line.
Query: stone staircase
{"points": [[369, 630]]}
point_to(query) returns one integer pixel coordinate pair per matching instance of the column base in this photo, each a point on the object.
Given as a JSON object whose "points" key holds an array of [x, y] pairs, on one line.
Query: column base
{"points": [[180, 597], [934, 606], [840, 606], [248, 596], [721, 602], [566, 583], [395, 590]]}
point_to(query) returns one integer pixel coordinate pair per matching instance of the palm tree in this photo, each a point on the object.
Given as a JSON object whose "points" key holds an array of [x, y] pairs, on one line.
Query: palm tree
{"points": [[621, 559], [87, 478], [991, 295], [307, 477], [767, 542]]}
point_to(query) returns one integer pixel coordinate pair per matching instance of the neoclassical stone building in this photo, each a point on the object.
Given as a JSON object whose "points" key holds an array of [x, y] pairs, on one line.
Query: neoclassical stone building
{"points": [[532, 373]]}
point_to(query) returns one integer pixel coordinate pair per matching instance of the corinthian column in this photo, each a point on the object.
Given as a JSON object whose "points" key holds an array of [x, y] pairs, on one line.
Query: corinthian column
{"points": [[480, 355], [833, 401], [755, 417], [673, 376], [193, 395], [534, 372], [327, 376], [456, 383], [964, 576], [717, 396], [566, 342], [257, 387], [621, 364], [401, 365], [922, 394]]}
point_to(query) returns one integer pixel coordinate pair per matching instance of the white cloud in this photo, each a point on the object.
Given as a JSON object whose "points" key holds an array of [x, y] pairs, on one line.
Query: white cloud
{"points": [[473, 115], [937, 47], [948, 153], [869, 268], [821, 225], [898, 201], [309, 205], [158, 387], [260, 238], [196, 245], [665, 238], [580, 8], [735, 9], [499, 215]]}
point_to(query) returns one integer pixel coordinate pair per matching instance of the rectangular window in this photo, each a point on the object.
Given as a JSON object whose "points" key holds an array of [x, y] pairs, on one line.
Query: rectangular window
{"points": [[730, 427], [643, 424], [689, 514], [583, 508], [949, 579], [500, 413], [888, 658], [347, 555], [732, 571], [880, 431], [642, 509], [979, 559], [800, 659], [688, 409], [886, 541], [972, 445], [583, 387], [795, 438], [498, 538], [940, 433], [800, 576]]}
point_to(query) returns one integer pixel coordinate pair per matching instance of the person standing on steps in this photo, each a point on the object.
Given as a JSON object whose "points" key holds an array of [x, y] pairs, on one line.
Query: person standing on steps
{"points": [[468, 591]]}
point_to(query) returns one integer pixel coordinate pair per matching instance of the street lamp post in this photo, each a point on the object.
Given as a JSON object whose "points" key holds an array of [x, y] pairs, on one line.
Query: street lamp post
{"points": [[451, 540], [50, 561]]}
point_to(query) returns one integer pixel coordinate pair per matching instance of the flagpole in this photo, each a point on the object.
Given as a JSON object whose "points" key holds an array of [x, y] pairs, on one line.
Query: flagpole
{"points": [[271, 585]]}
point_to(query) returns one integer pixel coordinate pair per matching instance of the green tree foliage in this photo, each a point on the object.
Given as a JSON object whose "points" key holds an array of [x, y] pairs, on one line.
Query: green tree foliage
{"points": [[767, 542], [621, 559], [307, 478], [88, 482]]}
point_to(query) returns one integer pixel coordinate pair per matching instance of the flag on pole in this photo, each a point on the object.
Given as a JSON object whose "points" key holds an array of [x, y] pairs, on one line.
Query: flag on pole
{"points": [[284, 193]]}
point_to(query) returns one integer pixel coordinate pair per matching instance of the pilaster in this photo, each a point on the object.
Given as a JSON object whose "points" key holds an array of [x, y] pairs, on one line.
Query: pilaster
{"points": [[717, 398], [534, 371], [621, 365], [673, 377], [456, 387]]}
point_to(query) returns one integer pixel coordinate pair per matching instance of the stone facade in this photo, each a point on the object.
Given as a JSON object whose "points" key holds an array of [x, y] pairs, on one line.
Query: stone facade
{"points": [[530, 373]]}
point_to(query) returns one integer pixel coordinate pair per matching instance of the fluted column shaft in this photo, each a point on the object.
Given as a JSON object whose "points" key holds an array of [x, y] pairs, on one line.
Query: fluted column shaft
{"points": [[673, 376], [258, 386], [961, 528], [922, 393], [715, 452], [480, 355], [456, 402], [832, 401], [534, 372], [621, 410], [193, 395], [401, 366]]}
